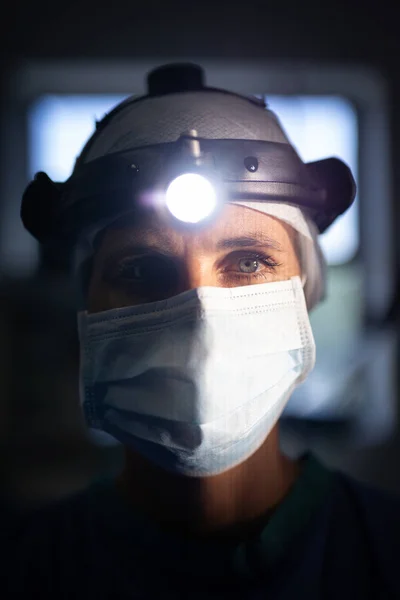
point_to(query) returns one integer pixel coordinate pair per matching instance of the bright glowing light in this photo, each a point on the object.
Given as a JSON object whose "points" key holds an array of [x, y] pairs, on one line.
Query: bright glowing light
{"points": [[191, 198]]}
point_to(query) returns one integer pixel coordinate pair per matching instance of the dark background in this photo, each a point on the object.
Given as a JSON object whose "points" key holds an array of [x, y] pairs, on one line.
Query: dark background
{"points": [[339, 33]]}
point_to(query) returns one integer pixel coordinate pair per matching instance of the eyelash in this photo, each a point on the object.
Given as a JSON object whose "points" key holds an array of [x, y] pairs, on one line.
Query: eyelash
{"points": [[265, 259]]}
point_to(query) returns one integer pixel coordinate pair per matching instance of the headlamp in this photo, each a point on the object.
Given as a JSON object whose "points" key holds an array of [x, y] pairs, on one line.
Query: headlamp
{"points": [[193, 195], [190, 178]]}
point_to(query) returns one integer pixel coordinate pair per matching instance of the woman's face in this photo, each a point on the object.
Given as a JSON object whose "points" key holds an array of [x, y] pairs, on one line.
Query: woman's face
{"points": [[152, 261]]}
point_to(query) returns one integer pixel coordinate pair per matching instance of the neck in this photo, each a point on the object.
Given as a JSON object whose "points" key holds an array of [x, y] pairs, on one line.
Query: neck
{"points": [[229, 506]]}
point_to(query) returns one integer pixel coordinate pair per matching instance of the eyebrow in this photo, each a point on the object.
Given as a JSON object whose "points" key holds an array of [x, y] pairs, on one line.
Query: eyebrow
{"points": [[167, 247], [260, 240]]}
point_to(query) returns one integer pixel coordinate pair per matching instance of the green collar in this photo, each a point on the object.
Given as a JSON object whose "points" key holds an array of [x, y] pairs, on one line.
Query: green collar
{"points": [[289, 520]]}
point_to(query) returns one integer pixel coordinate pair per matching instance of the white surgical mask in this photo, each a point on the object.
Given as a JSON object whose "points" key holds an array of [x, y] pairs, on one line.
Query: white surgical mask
{"points": [[196, 382]]}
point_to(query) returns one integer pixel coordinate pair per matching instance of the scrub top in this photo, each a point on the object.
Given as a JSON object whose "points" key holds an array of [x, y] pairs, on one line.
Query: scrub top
{"points": [[331, 538]]}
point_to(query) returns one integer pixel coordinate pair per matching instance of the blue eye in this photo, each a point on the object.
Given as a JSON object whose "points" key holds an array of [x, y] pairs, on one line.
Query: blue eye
{"points": [[249, 265]]}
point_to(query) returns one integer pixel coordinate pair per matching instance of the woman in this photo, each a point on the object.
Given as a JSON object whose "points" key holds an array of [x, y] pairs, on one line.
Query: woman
{"points": [[193, 338]]}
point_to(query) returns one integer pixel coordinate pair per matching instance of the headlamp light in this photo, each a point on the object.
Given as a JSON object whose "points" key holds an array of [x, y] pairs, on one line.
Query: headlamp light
{"points": [[191, 198], [194, 195]]}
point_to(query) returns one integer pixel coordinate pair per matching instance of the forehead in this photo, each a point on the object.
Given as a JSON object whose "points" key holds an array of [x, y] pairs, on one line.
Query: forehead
{"points": [[154, 229]]}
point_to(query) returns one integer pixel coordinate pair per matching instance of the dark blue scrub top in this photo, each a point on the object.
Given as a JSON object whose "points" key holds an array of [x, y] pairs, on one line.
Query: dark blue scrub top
{"points": [[331, 538]]}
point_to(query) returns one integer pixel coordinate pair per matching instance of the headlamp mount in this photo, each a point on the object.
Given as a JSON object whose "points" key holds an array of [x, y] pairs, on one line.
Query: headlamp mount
{"points": [[109, 187], [102, 190]]}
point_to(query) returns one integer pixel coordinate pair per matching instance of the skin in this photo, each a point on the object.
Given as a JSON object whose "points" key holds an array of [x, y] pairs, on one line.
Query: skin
{"points": [[227, 507]]}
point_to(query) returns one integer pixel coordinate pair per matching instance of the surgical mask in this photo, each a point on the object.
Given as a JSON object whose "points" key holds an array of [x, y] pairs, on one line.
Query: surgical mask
{"points": [[195, 383]]}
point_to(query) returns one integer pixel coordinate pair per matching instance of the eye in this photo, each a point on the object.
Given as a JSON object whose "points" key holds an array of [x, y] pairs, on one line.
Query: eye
{"points": [[141, 268], [248, 267], [148, 274]]}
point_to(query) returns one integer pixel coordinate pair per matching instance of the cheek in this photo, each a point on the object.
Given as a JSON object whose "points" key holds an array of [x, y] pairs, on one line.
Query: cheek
{"points": [[292, 258], [100, 295], [293, 267]]}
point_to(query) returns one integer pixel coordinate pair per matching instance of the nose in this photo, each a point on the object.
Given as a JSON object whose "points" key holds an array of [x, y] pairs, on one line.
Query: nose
{"points": [[198, 271]]}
